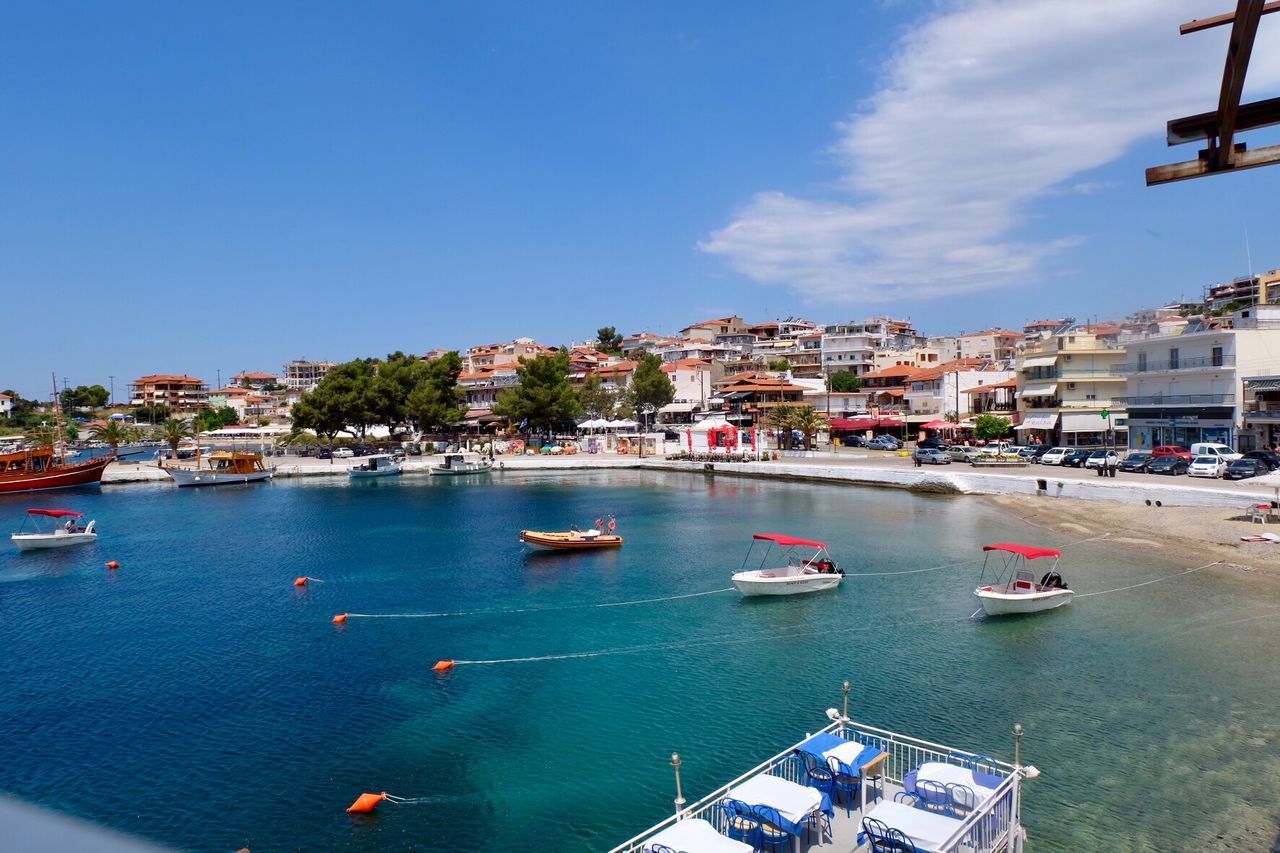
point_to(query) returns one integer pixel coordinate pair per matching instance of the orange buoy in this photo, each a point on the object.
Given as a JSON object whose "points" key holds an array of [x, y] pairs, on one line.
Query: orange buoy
{"points": [[613, 525], [300, 582], [442, 666], [366, 802], [340, 618], [112, 564]]}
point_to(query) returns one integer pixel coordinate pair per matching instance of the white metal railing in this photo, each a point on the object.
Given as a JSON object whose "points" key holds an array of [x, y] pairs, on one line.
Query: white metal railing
{"points": [[985, 829]]}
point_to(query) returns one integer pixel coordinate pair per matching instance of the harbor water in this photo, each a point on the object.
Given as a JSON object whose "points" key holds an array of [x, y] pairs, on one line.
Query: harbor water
{"points": [[197, 698]]}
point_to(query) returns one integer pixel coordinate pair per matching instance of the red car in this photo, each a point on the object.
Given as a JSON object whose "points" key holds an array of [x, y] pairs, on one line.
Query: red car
{"points": [[1171, 450]]}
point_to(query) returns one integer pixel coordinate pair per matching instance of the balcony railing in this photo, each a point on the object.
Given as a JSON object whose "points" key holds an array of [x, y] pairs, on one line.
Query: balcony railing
{"points": [[1204, 362], [1088, 373], [1177, 400]]}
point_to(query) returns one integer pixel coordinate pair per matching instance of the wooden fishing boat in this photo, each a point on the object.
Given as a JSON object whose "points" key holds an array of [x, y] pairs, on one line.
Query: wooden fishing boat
{"points": [[455, 464], [223, 467], [569, 540], [379, 465], [38, 468]]}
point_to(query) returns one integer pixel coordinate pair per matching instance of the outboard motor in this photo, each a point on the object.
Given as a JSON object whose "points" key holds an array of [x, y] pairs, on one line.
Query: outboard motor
{"points": [[1053, 580]]}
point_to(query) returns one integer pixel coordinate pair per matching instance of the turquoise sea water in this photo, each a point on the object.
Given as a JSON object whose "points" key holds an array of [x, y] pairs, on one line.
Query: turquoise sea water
{"points": [[196, 697]]}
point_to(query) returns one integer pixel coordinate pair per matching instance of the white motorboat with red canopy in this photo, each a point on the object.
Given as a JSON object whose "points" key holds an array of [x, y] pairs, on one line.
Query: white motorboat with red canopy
{"points": [[66, 531], [1015, 589], [797, 574]]}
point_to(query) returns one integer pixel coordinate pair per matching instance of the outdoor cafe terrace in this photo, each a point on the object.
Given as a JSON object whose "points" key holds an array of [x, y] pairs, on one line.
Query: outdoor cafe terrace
{"points": [[852, 787]]}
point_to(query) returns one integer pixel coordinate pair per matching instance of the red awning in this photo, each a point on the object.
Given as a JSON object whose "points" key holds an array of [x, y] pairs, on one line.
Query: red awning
{"points": [[853, 423], [1031, 552], [56, 513], [788, 541]]}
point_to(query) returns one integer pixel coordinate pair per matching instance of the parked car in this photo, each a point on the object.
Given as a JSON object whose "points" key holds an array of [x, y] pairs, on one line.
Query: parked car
{"points": [[1040, 451], [962, 453], [999, 448], [343, 453], [1075, 458], [1213, 448], [1244, 468], [1054, 455], [670, 435], [1267, 457], [1171, 450], [1169, 464], [1136, 462], [932, 456], [884, 442], [1103, 457], [934, 442], [324, 453], [1206, 466], [854, 440]]}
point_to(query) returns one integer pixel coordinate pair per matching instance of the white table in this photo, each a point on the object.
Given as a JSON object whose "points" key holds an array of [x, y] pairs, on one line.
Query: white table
{"points": [[694, 835], [845, 753], [951, 774], [793, 802], [926, 830]]}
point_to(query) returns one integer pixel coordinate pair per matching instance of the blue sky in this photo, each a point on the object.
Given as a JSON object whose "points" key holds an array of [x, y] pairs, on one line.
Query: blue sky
{"points": [[189, 188]]}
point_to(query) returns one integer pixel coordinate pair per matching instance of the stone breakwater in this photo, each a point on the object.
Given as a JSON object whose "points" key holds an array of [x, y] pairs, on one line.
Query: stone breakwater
{"points": [[949, 480]]}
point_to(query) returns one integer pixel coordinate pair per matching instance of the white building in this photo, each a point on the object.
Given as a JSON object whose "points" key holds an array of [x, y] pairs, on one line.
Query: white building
{"points": [[936, 392], [694, 381], [301, 375], [1066, 381], [1188, 387], [6, 405]]}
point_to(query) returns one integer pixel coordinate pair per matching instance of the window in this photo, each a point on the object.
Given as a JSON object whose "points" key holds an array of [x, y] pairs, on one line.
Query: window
{"points": [[1217, 357], [1173, 358], [1142, 362]]}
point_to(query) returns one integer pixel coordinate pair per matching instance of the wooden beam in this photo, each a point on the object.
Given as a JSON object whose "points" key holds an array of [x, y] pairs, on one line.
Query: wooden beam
{"points": [[1201, 166], [1240, 47], [1205, 125], [1218, 20]]}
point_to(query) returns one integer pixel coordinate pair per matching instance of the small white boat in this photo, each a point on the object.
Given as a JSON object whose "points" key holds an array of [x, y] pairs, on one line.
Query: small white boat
{"points": [[380, 465], [66, 533], [222, 467], [1015, 589], [456, 464], [797, 575]]}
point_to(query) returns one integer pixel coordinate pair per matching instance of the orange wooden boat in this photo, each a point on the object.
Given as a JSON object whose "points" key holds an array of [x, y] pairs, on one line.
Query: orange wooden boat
{"points": [[38, 468], [569, 540]]}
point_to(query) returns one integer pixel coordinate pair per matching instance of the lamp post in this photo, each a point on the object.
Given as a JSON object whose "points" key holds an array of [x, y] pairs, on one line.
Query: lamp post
{"points": [[846, 700], [675, 763]]}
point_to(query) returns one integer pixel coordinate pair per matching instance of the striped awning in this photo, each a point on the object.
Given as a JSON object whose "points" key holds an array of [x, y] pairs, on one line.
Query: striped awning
{"points": [[1262, 384], [1042, 390], [1039, 421], [1038, 361]]}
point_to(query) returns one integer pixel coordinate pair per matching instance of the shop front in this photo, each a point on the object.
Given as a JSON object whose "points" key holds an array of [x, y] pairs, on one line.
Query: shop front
{"points": [[1153, 429]]}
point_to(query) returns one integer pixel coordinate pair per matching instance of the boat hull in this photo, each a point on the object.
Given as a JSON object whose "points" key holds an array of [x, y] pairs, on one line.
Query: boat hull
{"points": [[565, 541], [38, 541], [441, 471], [389, 471], [774, 582], [997, 603], [188, 477], [59, 477]]}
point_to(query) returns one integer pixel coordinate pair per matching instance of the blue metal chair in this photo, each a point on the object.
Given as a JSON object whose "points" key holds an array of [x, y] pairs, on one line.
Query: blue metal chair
{"points": [[659, 848], [740, 822], [819, 820], [816, 774], [772, 833], [900, 843], [962, 799], [877, 835], [907, 798], [933, 795], [844, 780]]}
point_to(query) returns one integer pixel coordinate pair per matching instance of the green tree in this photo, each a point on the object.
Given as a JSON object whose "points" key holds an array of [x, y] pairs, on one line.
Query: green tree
{"points": [[650, 388], [596, 400], [351, 385], [988, 427], [808, 421], [844, 381], [319, 410], [783, 420], [779, 365], [71, 432], [84, 397], [544, 399], [211, 419], [113, 432], [173, 431], [390, 388], [150, 414], [608, 340], [436, 400]]}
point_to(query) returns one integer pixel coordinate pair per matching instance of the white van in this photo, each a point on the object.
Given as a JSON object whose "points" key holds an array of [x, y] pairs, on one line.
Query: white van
{"points": [[1209, 448]]}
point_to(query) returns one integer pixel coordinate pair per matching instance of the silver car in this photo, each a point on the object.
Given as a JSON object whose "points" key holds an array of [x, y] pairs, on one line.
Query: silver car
{"points": [[932, 456]]}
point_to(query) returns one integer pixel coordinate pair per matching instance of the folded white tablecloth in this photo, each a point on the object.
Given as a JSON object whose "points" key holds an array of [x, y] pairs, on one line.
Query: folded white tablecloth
{"points": [[792, 801], [926, 829], [694, 835]]}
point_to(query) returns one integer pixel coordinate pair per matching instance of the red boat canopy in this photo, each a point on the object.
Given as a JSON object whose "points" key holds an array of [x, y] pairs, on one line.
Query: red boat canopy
{"points": [[56, 513], [1031, 552], [788, 541]]}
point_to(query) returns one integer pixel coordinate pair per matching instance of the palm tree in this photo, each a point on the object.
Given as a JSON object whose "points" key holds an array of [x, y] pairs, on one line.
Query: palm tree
{"points": [[174, 431], [808, 421], [782, 418], [113, 433]]}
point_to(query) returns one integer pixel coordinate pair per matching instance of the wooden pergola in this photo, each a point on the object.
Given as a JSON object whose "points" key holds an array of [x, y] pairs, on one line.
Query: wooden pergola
{"points": [[1219, 128]]}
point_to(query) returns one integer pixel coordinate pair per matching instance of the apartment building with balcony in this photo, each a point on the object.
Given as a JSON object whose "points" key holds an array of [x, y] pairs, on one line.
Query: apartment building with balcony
{"points": [[1065, 382], [853, 347], [999, 345], [301, 376], [177, 393], [942, 391], [1190, 387]]}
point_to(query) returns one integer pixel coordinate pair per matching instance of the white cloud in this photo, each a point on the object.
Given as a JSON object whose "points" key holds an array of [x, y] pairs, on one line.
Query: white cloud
{"points": [[985, 108]]}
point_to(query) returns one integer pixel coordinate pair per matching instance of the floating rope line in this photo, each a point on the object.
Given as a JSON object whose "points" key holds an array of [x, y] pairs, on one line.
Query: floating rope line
{"points": [[1155, 580], [952, 565], [532, 609]]}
